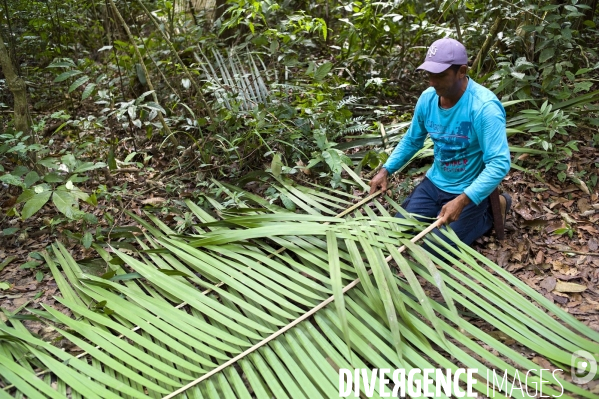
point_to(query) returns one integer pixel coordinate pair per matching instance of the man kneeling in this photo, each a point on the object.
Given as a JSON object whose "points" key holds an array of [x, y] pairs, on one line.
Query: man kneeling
{"points": [[466, 123]]}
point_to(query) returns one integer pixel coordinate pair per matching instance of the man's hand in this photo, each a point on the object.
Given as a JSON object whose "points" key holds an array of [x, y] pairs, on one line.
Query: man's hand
{"points": [[452, 210], [380, 180]]}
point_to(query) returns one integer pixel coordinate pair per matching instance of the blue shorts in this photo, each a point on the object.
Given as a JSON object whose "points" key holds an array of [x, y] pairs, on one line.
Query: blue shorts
{"points": [[427, 200]]}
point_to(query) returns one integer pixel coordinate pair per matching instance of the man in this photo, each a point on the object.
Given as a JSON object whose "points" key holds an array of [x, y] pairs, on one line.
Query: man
{"points": [[466, 122]]}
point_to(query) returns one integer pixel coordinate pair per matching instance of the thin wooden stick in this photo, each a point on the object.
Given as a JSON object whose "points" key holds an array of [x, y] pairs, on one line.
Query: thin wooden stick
{"points": [[293, 323], [579, 252]]}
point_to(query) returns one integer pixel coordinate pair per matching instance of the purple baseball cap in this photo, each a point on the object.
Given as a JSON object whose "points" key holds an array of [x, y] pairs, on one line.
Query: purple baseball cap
{"points": [[444, 53]]}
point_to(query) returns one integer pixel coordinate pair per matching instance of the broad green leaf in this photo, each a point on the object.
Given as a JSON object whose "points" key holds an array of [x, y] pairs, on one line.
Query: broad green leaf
{"points": [[547, 54], [53, 177], [35, 203], [157, 107], [12, 180], [65, 75], [64, 63], [276, 166], [26, 195], [87, 240], [89, 89], [87, 166], [49, 162], [141, 75], [322, 71], [582, 86], [78, 83], [7, 232], [20, 171], [65, 202], [111, 160], [31, 178], [287, 202]]}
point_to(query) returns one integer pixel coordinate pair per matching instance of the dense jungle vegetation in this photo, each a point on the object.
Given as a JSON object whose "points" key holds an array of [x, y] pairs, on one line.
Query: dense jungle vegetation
{"points": [[187, 165]]}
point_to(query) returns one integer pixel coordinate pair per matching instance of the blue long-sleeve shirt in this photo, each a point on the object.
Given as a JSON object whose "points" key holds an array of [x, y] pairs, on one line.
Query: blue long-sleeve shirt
{"points": [[470, 142]]}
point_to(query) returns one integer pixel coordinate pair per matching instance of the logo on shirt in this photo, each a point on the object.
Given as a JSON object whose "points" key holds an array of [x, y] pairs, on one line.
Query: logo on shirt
{"points": [[451, 149]]}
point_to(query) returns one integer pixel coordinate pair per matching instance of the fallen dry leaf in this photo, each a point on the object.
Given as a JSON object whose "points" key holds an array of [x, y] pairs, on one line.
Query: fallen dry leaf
{"points": [[567, 218], [549, 283], [536, 207], [589, 229], [541, 361], [517, 256], [593, 244], [561, 299], [503, 257], [588, 308], [515, 267], [554, 189], [573, 304], [583, 205], [556, 224], [569, 287], [566, 278], [581, 185], [303, 168], [535, 223], [153, 201], [539, 258], [524, 211]]}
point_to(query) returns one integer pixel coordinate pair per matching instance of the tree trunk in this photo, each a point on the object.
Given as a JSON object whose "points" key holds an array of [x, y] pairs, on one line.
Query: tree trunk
{"points": [[18, 89], [219, 8], [489, 41]]}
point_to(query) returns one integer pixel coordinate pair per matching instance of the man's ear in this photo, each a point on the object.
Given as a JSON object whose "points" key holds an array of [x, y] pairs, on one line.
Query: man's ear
{"points": [[463, 70]]}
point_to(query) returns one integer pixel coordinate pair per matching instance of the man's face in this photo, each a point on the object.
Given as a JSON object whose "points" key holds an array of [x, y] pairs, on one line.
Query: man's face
{"points": [[446, 83]]}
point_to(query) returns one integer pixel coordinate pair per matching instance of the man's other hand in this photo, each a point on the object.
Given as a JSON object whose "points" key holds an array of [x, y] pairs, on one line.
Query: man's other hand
{"points": [[380, 180], [452, 210]]}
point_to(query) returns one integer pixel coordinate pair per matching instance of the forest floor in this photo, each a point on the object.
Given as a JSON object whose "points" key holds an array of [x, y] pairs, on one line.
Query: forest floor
{"points": [[552, 240], [563, 268]]}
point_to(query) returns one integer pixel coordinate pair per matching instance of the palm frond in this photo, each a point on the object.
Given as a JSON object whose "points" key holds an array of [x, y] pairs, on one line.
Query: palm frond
{"points": [[231, 82], [243, 308]]}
